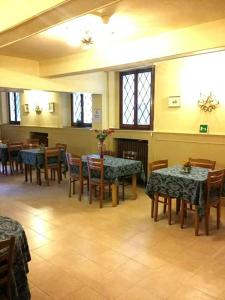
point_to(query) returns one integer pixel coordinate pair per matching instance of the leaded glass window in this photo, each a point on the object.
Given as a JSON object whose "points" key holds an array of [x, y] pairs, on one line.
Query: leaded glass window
{"points": [[81, 109], [136, 90], [14, 107]]}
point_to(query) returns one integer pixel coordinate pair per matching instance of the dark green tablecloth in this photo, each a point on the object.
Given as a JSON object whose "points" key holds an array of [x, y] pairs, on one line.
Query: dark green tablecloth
{"points": [[115, 168], [35, 157], [20, 287], [176, 184]]}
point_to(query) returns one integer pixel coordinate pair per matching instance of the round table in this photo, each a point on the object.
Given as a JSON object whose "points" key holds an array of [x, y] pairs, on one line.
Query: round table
{"points": [[8, 228]]}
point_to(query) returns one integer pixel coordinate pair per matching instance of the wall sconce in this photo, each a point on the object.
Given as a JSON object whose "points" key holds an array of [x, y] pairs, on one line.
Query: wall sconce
{"points": [[51, 107], [38, 110], [26, 108], [207, 103]]}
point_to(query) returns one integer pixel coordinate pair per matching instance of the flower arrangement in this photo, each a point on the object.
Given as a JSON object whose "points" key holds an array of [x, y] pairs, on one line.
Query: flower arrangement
{"points": [[187, 167], [102, 134]]}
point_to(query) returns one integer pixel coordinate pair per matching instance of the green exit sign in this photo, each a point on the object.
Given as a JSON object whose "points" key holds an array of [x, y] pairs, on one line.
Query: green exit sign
{"points": [[203, 128]]}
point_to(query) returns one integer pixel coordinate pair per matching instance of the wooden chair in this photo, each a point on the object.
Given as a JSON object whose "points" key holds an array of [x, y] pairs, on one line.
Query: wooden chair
{"points": [[215, 183], [214, 186], [61, 146], [203, 163], [125, 180], [75, 172], [96, 178], [7, 249], [109, 153], [14, 162], [33, 142], [52, 163], [156, 165]]}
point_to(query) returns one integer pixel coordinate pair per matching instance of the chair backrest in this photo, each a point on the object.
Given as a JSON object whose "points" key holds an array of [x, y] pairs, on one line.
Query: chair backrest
{"points": [[7, 248], [109, 152], [95, 168], [215, 183], [130, 155], [203, 163], [61, 146], [13, 150], [158, 164], [33, 141], [52, 156], [74, 163]]}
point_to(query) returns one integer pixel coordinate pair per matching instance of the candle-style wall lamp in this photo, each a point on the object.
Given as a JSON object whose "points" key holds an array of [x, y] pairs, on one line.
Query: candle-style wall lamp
{"points": [[208, 103], [38, 109]]}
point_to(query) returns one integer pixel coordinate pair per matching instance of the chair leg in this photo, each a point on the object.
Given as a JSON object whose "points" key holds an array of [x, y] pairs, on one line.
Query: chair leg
{"points": [[177, 206], [182, 214], [80, 189], [218, 212], [196, 221], [207, 213], [70, 187], [169, 210], [165, 205], [152, 207], [156, 207], [74, 187], [101, 195], [46, 176], [90, 194]]}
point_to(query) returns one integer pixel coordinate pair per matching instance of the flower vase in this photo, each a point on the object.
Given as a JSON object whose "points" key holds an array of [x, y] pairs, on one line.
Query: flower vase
{"points": [[101, 147]]}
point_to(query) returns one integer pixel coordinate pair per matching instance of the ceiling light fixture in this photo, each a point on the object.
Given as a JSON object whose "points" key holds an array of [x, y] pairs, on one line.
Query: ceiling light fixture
{"points": [[87, 40]]}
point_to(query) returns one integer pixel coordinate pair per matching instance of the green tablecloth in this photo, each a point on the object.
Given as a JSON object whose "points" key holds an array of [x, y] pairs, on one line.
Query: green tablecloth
{"points": [[115, 168], [20, 287], [35, 157], [176, 184]]}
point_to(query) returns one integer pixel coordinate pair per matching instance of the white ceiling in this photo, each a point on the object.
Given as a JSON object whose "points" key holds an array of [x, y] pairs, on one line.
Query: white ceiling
{"points": [[139, 18]]}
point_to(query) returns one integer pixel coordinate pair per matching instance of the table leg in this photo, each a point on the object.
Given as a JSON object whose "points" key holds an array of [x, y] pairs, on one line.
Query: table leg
{"points": [[25, 173], [134, 186], [114, 194]]}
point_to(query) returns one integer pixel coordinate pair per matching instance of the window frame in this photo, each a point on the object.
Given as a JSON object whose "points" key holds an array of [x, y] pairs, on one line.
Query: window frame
{"points": [[16, 122], [136, 72], [82, 124]]}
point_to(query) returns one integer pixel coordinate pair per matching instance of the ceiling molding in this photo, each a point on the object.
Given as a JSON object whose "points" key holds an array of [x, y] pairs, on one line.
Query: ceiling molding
{"points": [[63, 12]]}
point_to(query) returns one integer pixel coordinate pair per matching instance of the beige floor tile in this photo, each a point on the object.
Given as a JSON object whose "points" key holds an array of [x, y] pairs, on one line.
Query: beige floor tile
{"points": [[137, 293], [61, 287], [85, 293], [37, 294], [190, 293]]}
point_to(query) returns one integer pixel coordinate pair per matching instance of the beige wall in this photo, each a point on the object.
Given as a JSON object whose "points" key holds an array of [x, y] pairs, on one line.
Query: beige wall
{"points": [[187, 78], [45, 119], [24, 74]]}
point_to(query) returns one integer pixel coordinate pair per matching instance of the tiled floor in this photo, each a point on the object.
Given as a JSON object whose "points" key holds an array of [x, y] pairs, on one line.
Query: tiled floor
{"points": [[82, 252]]}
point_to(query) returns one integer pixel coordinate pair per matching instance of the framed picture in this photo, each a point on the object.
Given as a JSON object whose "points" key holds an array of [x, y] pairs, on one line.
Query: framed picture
{"points": [[51, 107], [174, 101], [26, 108]]}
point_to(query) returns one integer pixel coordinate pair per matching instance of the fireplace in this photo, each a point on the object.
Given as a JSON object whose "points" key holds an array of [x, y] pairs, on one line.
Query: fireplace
{"points": [[42, 136]]}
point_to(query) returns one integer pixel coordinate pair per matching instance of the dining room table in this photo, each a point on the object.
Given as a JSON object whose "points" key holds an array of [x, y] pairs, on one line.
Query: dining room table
{"points": [[114, 169], [34, 158], [176, 183], [20, 287]]}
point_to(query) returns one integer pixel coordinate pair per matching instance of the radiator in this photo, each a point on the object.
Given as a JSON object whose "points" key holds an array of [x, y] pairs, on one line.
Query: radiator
{"points": [[139, 146]]}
